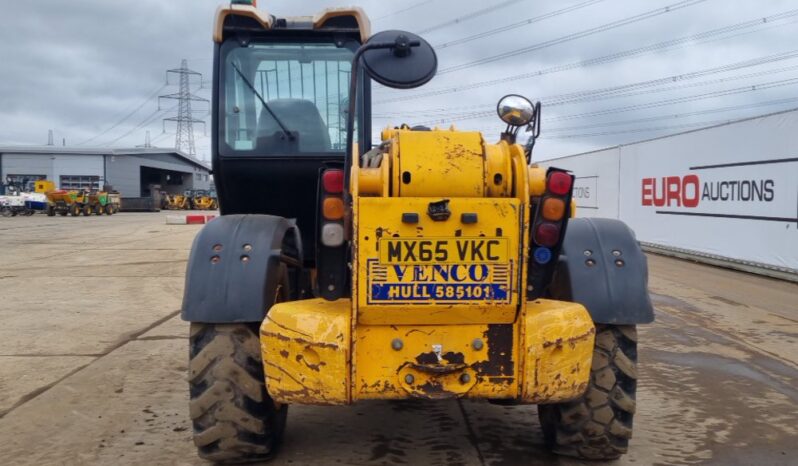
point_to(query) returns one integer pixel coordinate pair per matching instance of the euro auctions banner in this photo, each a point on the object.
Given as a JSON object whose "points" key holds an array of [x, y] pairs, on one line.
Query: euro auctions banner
{"points": [[729, 191]]}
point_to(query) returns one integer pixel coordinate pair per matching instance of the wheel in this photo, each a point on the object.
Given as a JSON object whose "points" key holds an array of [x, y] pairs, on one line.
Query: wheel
{"points": [[87, 210], [6, 211], [74, 210], [50, 211], [233, 416], [98, 209], [109, 209], [598, 425], [29, 212]]}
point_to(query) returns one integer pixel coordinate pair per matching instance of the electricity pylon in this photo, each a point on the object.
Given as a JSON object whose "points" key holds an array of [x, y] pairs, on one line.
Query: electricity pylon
{"points": [[184, 137]]}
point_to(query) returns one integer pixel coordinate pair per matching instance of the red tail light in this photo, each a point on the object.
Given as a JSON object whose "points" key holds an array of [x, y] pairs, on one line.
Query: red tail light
{"points": [[547, 234], [333, 181], [559, 183]]}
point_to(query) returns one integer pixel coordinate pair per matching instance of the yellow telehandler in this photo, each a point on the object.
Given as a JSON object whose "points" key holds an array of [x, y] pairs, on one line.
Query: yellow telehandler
{"points": [[433, 264]]}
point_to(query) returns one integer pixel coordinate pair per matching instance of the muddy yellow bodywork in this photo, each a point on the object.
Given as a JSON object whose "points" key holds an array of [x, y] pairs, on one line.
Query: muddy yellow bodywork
{"points": [[314, 353], [440, 234]]}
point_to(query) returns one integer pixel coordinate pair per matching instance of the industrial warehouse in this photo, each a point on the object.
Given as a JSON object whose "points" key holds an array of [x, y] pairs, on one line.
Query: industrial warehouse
{"points": [[132, 172]]}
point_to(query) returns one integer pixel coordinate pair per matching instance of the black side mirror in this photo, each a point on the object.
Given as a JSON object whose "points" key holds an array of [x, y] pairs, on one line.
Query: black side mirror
{"points": [[397, 59], [401, 60]]}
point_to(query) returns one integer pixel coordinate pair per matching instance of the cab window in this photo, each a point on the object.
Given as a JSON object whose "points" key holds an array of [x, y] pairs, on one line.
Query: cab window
{"points": [[306, 90]]}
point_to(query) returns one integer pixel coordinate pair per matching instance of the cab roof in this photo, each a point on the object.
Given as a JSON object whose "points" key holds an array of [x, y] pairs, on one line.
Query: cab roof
{"points": [[346, 19]]}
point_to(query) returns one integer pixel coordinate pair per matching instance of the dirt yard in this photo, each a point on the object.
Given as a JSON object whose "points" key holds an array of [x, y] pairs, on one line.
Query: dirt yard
{"points": [[93, 364]]}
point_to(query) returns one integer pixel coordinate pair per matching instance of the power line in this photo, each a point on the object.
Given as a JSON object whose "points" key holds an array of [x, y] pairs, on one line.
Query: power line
{"points": [[518, 24], [628, 90], [693, 39], [574, 36], [678, 87], [160, 137], [145, 122], [731, 108], [624, 90], [466, 17], [643, 130], [686, 99], [415, 5], [491, 32], [678, 100], [126, 117], [631, 90]]}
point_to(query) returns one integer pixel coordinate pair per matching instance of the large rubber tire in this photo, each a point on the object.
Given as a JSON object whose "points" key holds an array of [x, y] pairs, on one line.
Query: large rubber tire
{"points": [[598, 425], [234, 418], [50, 211]]}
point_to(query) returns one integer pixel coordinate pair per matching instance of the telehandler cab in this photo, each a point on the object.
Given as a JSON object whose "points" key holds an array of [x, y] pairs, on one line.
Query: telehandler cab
{"points": [[433, 265]]}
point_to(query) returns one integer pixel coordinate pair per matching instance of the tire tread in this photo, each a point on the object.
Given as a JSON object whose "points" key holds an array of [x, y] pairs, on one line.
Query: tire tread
{"points": [[234, 418], [584, 428]]}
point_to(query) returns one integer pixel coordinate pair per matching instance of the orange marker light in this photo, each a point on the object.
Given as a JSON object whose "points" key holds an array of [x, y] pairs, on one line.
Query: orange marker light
{"points": [[553, 209], [333, 208]]}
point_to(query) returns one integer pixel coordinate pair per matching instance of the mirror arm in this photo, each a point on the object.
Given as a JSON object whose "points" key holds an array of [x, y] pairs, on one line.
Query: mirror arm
{"points": [[350, 117]]}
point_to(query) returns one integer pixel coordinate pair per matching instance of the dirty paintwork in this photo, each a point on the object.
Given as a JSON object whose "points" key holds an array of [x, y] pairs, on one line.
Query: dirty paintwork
{"points": [[439, 255], [459, 369], [305, 346], [439, 163], [537, 180], [558, 343]]}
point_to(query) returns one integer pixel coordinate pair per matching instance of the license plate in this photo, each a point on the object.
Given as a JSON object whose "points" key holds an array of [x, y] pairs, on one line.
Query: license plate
{"points": [[478, 250], [439, 283]]}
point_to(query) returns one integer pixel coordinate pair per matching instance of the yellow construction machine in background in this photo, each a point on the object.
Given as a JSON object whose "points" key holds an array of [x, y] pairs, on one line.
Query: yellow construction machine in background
{"points": [[175, 202], [204, 200]]}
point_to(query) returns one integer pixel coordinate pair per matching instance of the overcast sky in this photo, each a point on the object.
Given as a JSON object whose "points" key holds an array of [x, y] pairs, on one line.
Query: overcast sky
{"points": [[80, 67]]}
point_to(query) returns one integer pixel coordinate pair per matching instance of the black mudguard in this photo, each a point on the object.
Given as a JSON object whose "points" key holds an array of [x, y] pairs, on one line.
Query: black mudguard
{"points": [[603, 268], [234, 268]]}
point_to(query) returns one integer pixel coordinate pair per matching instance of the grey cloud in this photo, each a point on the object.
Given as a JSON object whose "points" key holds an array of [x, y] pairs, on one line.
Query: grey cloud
{"points": [[79, 66]]}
